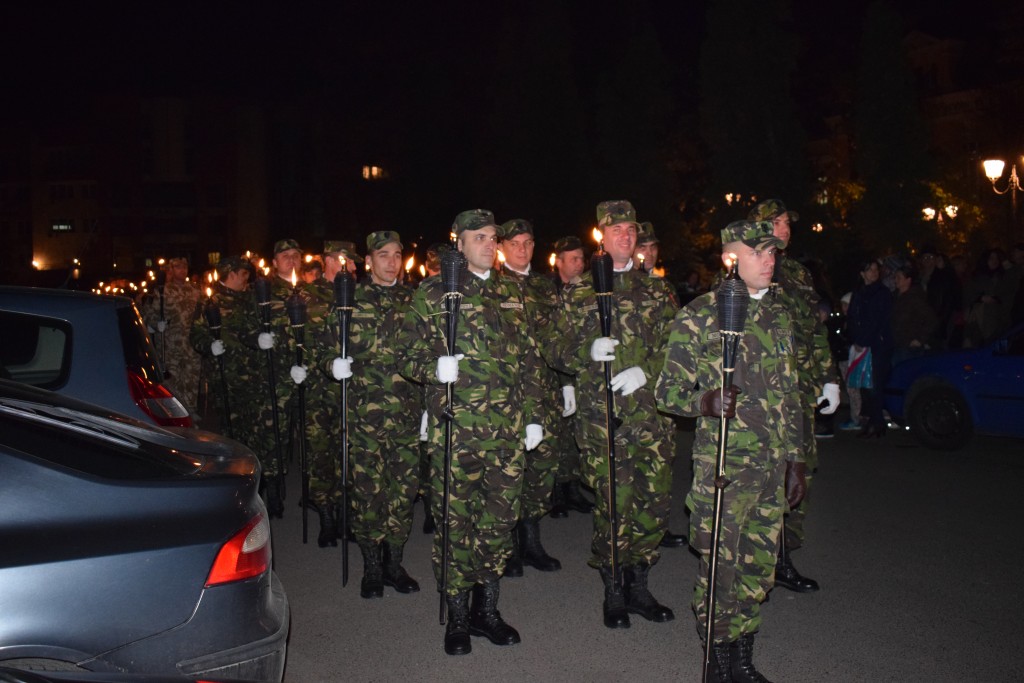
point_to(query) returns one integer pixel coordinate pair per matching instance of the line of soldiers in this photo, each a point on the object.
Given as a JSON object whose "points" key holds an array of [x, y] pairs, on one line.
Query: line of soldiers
{"points": [[529, 386]]}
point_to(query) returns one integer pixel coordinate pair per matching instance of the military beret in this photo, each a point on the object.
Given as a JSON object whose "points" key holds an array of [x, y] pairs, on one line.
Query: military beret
{"points": [[343, 247], [646, 235], [769, 210], [516, 227], [474, 219], [754, 234], [285, 245], [570, 243], [615, 212], [378, 239]]}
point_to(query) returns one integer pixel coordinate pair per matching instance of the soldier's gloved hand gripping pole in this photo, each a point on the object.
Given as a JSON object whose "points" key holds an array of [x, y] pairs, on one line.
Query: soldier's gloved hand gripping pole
{"points": [[262, 289], [601, 269], [344, 295], [212, 313], [453, 276], [296, 307], [733, 299]]}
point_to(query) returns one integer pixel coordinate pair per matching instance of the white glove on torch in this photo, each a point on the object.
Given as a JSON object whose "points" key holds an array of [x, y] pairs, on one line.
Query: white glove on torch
{"points": [[534, 435], [298, 374], [217, 348], [603, 349], [341, 368], [161, 325], [830, 394], [423, 426], [265, 340], [568, 400], [629, 380], [448, 368]]}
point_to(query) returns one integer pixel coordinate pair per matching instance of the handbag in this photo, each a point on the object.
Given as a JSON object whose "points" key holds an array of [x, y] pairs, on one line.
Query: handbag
{"points": [[858, 373]]}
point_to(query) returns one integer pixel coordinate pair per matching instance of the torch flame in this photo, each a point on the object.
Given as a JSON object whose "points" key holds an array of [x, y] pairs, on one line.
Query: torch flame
{"points": [[730, 260], [551, 259], [642, 258], [309, 258], [501, 256], [410, 263], [215, 275], [598, 236], [295, 279], [452, 236], [266, 269], [209, 293], [423, 270], [262, 264], [341, 260]]}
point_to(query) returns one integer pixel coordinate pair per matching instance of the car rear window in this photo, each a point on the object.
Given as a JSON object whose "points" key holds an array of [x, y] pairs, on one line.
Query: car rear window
{"points": [[139, 354], [35, 350]]}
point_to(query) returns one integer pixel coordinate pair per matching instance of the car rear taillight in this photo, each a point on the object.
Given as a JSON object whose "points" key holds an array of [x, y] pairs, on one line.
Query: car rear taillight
{"points": [[157, 402], [246, 554]]}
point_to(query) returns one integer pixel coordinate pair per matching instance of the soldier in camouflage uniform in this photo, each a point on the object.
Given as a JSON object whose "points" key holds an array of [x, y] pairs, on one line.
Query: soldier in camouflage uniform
{"points": [[384, 422], [494, 408], [642, 309], [180, 307], [817, 373], [765, 412], [543, 318], [236, 348], [567, 494]]}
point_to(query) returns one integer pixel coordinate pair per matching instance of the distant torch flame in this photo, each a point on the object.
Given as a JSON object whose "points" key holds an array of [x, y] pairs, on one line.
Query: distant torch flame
{"points": [[309, 258], [642, 258], [209, 292], [501, 256], [729, 260], [341, 260], [551, 259], [423, 270], [263, 264], [410, 263]]}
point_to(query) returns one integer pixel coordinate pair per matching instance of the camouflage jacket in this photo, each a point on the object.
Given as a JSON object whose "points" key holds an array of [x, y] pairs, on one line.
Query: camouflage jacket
{"points": [[243, 360], [795, 288], [494, 396], [768, 419], [642, 310]]}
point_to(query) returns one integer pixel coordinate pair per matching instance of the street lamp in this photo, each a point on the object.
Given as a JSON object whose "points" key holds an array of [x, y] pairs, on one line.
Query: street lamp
{"points": [[994, 171]]}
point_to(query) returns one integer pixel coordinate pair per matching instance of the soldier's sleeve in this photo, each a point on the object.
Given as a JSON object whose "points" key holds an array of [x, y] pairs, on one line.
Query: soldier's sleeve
{"points": [[200, 337], [419, 348], [678, 391], [532, 367], [662, 317]]}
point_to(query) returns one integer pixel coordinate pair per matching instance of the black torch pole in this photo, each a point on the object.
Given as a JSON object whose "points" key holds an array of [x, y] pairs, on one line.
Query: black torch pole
{"points": [[601, 269], [732, 298], [296, 307], [344, 296], [453, 277], [262, 287], [213, 320]]}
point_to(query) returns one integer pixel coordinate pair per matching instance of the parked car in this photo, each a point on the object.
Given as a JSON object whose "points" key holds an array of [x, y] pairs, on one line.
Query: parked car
{"points": [[132, 548], [88, 346], [947, 397]]}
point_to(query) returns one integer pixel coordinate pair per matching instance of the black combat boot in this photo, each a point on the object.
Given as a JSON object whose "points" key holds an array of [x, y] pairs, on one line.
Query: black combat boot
{"points": [[574, 498], [530, 549], [275, 504], [786, 574], [456, 631], [558, 507], [372, 585], [720, 670], [394, 573], [514, 565], [485, 619], [671, 540], [328, 526], [615, 614], [741, 655], [639, 599]]}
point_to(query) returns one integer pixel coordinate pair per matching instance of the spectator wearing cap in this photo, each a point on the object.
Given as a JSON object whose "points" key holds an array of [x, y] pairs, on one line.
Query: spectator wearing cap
{"points": [[496, 420], [819, 381], [763, 403], [642, 310], [178, 301], [543, 320]]}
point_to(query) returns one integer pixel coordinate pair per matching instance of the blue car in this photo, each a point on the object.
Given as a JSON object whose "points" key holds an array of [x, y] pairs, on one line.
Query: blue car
{"points": [[947, 397]]}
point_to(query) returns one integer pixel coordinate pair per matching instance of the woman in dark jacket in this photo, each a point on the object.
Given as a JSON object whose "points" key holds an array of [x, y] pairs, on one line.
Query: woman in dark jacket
{"points": [[868, 325]]}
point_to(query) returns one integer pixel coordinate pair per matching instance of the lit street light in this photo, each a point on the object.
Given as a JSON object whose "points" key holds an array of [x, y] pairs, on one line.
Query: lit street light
{"points": [[994, 171]]}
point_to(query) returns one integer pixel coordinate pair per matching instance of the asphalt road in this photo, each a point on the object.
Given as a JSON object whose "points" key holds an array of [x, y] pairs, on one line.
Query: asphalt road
{"points": [[917, 553]]}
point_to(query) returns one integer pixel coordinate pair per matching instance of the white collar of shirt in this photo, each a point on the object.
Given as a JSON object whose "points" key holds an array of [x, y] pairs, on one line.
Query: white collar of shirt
{"points": [[629, 266], [520, 272], [760, 293], [482, 276]]}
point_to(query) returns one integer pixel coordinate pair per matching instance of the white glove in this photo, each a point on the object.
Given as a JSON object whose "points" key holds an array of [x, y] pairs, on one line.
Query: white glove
{"points": [[266, 340], [831, 394], [217, 348], [150, 329], [568, 400], [161, 325], [603, 349], [629, 380], [298, 374], [423, 426], [341, 368], [448, 368], [534, 435]]}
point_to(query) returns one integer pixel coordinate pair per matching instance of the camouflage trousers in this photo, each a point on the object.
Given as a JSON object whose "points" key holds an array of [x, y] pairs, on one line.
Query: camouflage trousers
{"points": [[563, 439], [751, 521], [182, 363], [384, 476], [643, 489], [263, 430], [323, 441], [484, 506], [795, 518], [539, 469]]}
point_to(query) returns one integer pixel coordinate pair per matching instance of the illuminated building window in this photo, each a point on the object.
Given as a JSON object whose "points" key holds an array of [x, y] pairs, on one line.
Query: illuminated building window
{"points": [[374, 173], [213, 258], [62, 226]]}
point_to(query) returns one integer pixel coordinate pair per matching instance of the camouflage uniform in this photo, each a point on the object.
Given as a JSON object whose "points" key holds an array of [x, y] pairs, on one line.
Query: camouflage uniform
{"points": [[760, 440], [493, 401], [243, 362], [181, 307], [642, 310]]}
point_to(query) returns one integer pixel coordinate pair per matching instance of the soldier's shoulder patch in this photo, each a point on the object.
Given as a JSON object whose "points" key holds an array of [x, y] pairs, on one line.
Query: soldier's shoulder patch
{"points": [[512, 304]]}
